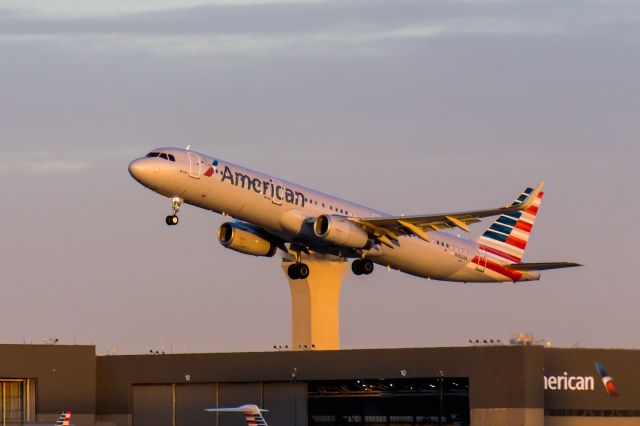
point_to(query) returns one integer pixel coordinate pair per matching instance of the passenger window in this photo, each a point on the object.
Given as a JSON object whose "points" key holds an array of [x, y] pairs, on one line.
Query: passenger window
{"points": [[164, 156]]}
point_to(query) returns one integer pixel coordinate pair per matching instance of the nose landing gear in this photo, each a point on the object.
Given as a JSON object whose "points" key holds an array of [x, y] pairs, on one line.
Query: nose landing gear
{"points": [[362, 266], [298, 270], [172, 219]]}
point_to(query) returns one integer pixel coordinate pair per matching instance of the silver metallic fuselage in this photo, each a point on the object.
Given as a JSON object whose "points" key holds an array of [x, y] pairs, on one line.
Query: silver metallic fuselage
{"points": [[280, 207]]}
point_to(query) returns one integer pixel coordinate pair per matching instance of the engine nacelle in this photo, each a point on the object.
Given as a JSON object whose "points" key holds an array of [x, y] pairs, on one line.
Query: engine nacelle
{"points": [[245, 240], [340, 231]]}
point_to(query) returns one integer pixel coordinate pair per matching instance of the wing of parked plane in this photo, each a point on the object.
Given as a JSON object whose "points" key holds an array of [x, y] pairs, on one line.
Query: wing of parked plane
{"points": [[542, 266], [252, 413], [387, 229]]}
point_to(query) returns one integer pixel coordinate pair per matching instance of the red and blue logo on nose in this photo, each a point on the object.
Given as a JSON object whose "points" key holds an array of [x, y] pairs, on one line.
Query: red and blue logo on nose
{"points": [[607, 381]]}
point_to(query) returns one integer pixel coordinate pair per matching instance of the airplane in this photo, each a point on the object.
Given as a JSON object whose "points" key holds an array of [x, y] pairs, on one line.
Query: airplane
{"points": [[252, 413], [64, 419], [270, 213]]}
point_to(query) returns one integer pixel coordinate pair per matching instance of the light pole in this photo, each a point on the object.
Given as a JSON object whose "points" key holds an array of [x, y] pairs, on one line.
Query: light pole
{"points": [[294, 376], [441, 380]]}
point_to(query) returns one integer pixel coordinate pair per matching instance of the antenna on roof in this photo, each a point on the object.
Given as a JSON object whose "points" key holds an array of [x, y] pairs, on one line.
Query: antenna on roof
{"points": [[188, 147]]}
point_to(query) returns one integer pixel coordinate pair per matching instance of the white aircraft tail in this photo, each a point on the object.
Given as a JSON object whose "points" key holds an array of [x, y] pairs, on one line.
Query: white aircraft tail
{"points": [[252, 413], [64, 419], [506, 239]]}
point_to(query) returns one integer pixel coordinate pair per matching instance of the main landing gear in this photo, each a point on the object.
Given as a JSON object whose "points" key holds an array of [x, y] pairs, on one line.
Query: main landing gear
{"points": [[362, 266], [172, 219], [298, 270]]}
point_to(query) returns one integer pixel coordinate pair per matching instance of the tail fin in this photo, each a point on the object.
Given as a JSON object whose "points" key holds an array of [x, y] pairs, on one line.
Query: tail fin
{"points": [[506, 239], [252, 414], [64, 419], [607, 381]]}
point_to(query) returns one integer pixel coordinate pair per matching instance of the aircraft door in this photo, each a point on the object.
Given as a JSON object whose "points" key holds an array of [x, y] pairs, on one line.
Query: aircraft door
{"points": [[195, 165], [482, 260], [278, 192]]}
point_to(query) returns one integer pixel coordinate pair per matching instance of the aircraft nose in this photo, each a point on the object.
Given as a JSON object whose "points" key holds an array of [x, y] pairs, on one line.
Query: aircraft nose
{"points": [[138, 169]]}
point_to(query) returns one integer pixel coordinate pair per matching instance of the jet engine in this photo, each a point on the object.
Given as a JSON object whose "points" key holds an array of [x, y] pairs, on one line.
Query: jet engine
{"points": [[340, 231], [245, 239]]}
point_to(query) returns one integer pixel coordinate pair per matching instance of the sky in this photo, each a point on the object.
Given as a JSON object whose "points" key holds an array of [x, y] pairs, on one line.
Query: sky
{"points": [[405, 106]]}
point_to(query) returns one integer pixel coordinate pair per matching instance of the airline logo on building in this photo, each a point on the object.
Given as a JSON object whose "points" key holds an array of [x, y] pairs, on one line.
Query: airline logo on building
{"points": [[565, 382], [607, 381]]}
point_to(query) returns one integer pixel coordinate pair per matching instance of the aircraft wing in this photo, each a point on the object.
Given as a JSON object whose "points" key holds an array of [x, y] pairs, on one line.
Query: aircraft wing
{"points": [[385, 229], [542, 266]]}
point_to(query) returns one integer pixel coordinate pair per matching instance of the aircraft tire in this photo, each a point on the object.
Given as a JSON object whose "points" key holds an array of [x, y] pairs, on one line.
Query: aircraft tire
{"points": [[303, 271], [292, 271], [356, 267], [366, 266], [172, 220]]}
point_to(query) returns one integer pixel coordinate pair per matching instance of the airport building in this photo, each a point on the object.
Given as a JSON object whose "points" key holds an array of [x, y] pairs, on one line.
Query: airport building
{"points": [[477, 385]]}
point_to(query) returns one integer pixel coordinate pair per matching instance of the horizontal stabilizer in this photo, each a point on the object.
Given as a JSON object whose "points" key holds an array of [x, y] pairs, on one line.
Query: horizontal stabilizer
{"points": [[542, 266]]}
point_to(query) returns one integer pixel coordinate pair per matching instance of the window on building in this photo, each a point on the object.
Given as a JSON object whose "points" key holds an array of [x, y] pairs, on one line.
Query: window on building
{"points": [[17, 401], [398, 401]]}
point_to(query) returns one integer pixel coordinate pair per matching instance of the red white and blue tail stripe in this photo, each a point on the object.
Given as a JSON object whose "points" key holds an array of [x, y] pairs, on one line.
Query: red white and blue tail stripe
{"points": [[607, 381], [252, 414], [255, 419], [64, 419], [506, 239]]}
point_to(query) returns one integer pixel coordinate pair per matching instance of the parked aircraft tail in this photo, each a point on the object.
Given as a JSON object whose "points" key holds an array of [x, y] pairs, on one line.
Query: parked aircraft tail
{"points": [[252, 413], [506, 239], [64, 419]]}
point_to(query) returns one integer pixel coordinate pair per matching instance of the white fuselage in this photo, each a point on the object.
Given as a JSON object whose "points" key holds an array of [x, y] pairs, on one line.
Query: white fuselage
{"points": [[278, 206]]}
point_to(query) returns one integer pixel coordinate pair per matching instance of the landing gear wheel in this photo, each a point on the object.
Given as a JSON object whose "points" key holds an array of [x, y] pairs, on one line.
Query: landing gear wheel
{"points": [[362, 266], [298, 271], [356, 268], [366, 266], [292, 271], [172, 219], [303, 271]]}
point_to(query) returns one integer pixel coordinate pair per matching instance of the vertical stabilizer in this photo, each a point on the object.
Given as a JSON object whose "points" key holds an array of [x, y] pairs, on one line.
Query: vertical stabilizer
{"points": [[506, 239], [64, 419]]}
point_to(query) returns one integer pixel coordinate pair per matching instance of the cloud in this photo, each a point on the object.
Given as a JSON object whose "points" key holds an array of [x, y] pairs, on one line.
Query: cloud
{"points": [[42, 165], [263, 44], [221, 27], [93, 8], [54, 166], [40, 162]]}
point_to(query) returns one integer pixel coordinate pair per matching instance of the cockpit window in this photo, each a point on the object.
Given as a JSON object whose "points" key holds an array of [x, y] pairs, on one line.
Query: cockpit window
{"points": [[162, 155]]}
